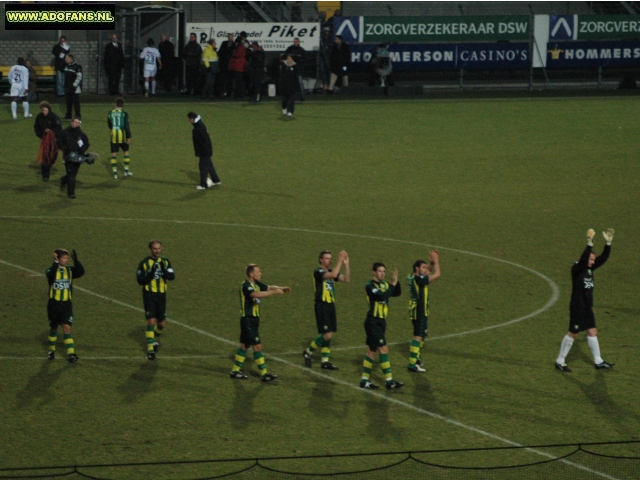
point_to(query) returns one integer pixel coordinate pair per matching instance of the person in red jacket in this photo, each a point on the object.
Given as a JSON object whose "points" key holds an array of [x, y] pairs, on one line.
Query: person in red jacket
{"points": [[237, 65]]}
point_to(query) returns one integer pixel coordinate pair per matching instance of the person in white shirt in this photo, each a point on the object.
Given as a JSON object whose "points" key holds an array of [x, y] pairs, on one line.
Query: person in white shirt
{"points": [[152, 63], [19, 80]]}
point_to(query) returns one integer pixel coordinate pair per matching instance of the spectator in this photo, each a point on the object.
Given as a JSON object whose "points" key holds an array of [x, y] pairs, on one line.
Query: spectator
{"points": [[226, 76], [32, 96], [325, 53], [237, 65], [60, 51], [298, 54], [288, 85], [192, 55], [211, 68], [257, 69], [72, 86], [339, 62], [48, 128], [380, 68], [113, 64], [167, 53]]}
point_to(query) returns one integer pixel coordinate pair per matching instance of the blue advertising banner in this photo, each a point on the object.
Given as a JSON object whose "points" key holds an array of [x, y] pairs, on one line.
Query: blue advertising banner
{"points": [[593, 54], [444, 56]]}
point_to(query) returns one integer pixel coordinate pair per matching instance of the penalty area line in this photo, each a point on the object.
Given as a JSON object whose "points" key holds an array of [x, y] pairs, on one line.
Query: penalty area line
{"points": [[380, 396]]}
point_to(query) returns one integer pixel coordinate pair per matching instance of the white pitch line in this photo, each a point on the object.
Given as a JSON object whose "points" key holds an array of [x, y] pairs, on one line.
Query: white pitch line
{"points": [[138, 357], [349, 385]]}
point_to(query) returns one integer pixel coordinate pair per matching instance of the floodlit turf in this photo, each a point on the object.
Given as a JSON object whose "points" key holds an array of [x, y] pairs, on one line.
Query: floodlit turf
{"points": [[504, 188]]}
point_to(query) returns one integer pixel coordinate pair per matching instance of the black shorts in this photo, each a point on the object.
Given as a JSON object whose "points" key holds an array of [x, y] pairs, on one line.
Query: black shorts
{"points": [[581, 319], [59, 313], [420, 327], [250, 330], [375, 329], [326, 317], [155, 305], [115, 147]]}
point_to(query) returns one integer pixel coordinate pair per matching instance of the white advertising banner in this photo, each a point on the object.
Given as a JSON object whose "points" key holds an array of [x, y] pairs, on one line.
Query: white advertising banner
{"points": [[273, 37]]}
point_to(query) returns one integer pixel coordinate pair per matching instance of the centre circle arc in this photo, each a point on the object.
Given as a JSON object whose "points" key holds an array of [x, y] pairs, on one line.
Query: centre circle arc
{"points": [[555, 291]]}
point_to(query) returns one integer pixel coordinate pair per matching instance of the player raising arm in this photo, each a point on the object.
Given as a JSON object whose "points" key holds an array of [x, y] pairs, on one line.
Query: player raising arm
{"points": [[324, 306], [423, 275], [581, 307], [379, 292]]}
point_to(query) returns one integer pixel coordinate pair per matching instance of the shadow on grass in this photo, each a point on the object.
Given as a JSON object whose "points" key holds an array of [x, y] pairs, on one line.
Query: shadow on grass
{"points": [[242, 415], [39, 387], [380, 427], [139, 383], [62, 203], [628, 311], [137, 334], [321, 401], [623, 420], [36, 187]]}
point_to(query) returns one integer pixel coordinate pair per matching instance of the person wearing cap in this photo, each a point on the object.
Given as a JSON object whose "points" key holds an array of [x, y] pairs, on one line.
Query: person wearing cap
{"points": [[299, 54], [257, 68], [288, 85], [211, 68], [204, 150], [59, 308]]}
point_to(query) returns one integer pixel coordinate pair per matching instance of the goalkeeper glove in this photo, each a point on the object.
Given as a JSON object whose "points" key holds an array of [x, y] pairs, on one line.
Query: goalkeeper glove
{"points": [[608, 235], [74, 256], [590, 234]]}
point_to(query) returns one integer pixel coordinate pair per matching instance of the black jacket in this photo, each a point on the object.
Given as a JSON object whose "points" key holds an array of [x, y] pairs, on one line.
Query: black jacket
{"points": [[50, 122], [168, 52], [298, 53], [70, 137], [59, 62], [257, 59], [224, 54], [192, 54], [73, 78], [201, 140], [340, 57], [113, 57], [289, 82]]}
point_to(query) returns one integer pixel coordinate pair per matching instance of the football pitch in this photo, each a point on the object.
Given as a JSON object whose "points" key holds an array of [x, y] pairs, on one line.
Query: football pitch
{"points": [[505, 189]]}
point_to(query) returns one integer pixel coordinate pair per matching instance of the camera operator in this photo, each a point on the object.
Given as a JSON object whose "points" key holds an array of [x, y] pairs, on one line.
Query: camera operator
{"points": [[74, 143]]}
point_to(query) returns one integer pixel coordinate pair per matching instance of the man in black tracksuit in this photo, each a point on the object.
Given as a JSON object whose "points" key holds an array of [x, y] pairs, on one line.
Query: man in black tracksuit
{"points": [[73, 140], [72, 86], [581, 307], [203, 150]]}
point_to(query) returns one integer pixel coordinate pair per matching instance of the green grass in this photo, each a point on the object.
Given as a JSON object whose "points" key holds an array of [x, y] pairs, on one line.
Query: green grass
{"points": [[483, 180]]}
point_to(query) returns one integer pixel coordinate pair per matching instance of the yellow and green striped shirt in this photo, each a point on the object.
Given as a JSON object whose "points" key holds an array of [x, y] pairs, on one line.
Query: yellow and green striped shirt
{"points": [[118, 121], [61, 280], [378, 295], [419, 293], [249, 306], [155, 280]]}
